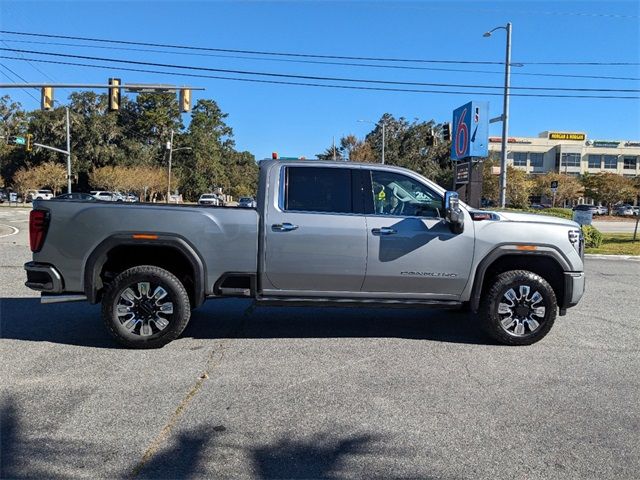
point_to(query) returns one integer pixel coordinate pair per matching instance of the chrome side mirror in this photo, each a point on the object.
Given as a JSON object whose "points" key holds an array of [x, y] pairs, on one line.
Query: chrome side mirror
{"points": [[454, 215]]}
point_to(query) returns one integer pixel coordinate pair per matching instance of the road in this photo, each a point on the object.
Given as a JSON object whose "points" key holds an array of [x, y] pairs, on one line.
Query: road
{"points": [[319, 393], [615, 226]]}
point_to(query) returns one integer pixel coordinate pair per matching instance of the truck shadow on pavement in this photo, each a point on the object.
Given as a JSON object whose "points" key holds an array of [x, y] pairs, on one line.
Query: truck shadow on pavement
{"points": [[80, 323]]}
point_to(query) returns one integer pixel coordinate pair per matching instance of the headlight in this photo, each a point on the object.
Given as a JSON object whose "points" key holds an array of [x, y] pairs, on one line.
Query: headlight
{"points": [[577, 240]]}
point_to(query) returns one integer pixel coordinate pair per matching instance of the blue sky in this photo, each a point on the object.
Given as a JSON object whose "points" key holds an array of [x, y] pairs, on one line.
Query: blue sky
{"points": [[295, 120]]}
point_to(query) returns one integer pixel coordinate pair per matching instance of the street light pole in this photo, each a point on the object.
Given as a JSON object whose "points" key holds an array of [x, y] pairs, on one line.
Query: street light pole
{"points": [[505, 115], [169, 176], [68, 153]]}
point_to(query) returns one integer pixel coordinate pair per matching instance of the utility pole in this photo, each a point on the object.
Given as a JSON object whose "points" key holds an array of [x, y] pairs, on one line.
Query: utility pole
{"points": [[383, 142], [333, 145], [68, 152], [169, 177], [505, 114]]}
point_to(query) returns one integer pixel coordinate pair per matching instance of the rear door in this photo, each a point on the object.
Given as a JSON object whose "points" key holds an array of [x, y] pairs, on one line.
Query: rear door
{"points": [[315, 237]]}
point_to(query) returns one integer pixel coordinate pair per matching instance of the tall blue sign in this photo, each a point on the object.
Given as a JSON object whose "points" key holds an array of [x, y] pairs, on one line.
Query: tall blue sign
{"points": [[470, 131]]}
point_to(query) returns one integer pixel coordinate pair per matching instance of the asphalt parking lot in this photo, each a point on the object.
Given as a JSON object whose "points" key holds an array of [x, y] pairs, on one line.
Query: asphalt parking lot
{"points": [[318, 393]]}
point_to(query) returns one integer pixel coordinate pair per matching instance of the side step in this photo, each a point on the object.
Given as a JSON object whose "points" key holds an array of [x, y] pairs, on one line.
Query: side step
{"points": [[354, 302], [49, 298]]}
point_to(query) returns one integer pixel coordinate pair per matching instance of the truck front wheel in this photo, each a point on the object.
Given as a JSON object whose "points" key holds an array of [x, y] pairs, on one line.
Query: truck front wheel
{"points": [[519, 308], [146, 307]]}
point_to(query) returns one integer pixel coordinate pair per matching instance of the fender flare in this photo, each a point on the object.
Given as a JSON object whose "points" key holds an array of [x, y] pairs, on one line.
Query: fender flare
{"points": [[98, 257], [549, 251]]}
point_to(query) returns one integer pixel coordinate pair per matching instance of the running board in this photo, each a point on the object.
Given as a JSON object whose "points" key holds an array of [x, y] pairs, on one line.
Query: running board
{"points": [[48, 298], [354, 302]]}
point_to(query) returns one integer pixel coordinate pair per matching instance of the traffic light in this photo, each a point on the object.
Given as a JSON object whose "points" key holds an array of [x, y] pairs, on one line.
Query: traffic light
{"points": [[185, 100], [446, 131], [47, 98], [114, 94], [29, 143]]}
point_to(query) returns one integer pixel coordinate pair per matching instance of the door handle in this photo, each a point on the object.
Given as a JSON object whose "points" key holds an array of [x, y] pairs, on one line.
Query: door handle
{"points": [[384, 231], [283, 227]]}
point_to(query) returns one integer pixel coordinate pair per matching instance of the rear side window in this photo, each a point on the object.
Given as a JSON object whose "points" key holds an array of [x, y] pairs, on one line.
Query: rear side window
{"points": [[318, 189]]}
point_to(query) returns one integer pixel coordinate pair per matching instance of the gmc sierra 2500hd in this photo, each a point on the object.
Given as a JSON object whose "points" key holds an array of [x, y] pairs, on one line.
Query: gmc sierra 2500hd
{"points": [[323, 234]]}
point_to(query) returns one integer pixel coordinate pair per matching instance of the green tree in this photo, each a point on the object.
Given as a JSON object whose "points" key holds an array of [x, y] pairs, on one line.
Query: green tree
{"points": [[570, 189], [609, 188]]}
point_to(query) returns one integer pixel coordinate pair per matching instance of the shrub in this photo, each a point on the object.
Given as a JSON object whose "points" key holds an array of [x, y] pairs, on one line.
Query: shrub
{"points": [[558, 212], [592, 236]]}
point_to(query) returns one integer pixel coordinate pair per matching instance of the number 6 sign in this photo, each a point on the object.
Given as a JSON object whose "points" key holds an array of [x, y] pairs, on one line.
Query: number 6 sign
{"points": [[470, 131]]}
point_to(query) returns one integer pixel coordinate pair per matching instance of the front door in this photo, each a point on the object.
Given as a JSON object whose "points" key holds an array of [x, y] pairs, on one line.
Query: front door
{"points": [[316, 238], [411, 250]]}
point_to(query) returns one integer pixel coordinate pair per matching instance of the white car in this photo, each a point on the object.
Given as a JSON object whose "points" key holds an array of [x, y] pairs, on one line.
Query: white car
{"points": [[210, 199], [39, 195], [107, 196]]}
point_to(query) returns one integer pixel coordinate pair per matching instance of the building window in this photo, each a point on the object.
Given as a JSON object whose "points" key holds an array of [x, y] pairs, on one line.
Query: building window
{"points": [[630, 163], [535, 159], [610, 161], [595, 161], [570, 159], [519, 159]]}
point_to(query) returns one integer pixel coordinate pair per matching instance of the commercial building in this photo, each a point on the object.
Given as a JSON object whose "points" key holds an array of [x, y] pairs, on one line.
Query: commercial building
{"points": [[571, 153]]}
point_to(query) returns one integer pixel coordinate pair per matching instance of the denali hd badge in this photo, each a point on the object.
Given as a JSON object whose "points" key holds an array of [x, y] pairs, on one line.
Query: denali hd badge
{"points": [[430, 274]]}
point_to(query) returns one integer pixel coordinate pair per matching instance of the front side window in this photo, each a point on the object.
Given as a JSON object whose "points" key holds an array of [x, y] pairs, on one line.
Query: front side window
{"points": [[519, 159], [594, 161], [610, 161], [536, 159], [318, 189], [396, 194]]}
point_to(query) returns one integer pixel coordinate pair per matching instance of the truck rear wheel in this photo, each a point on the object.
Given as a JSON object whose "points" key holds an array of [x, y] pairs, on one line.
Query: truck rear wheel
{"points": [[519, 308], [146, 307]]}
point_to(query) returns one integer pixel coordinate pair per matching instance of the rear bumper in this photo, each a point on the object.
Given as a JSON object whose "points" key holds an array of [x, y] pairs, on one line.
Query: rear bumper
{"points": [[573, 289], [43, 278]]}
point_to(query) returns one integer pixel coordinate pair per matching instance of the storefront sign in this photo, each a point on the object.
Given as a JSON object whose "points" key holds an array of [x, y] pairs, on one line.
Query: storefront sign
{"points": [[567, 136], [462, 173], [606, 144], [627, 144], [583, 217], [510, 140]]}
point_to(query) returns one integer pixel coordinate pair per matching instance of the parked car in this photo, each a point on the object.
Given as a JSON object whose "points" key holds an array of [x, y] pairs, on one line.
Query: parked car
{"points": [[39, 195], [636, 210], [539, 206], [322, 236], [623, 210], [596, 209], [210, 199], [247, 202], [107, 196], [131, 197], [4, 196], [86, 197]]}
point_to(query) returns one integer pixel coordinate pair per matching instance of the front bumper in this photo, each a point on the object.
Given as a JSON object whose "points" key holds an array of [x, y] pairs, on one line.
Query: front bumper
{"points": [[43, 278], [573, 290]]}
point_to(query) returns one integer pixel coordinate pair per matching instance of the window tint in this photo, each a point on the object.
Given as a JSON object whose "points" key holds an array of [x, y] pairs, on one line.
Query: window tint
{"points": [[595, 161], [610, 161], [318, 189], [395, 194]]}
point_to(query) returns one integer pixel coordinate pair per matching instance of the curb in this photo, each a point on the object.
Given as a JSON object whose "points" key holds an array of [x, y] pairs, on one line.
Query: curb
{"points": [[598, 256]]}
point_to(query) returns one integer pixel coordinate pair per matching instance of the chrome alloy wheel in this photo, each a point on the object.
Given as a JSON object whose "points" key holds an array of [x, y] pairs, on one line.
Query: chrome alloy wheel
{"points": [[144, 309], [521, 312]]}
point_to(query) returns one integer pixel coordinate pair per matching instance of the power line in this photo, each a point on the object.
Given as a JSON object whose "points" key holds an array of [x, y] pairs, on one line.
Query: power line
{"points": [[320, 62], [347, 87], [21, 78], [302, 55], [314, 77], [33, 66]]}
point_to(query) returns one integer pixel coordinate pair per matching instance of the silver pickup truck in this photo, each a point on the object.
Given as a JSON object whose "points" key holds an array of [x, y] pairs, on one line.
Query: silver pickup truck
{"points": [[323, 234]]}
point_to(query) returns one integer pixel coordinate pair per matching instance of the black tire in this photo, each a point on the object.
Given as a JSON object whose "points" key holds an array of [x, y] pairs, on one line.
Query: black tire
{"points": [[142, 321], [523, 308]]}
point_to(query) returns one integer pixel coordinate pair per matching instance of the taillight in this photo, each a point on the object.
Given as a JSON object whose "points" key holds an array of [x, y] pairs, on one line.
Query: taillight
{"points": [[38, 224]]}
